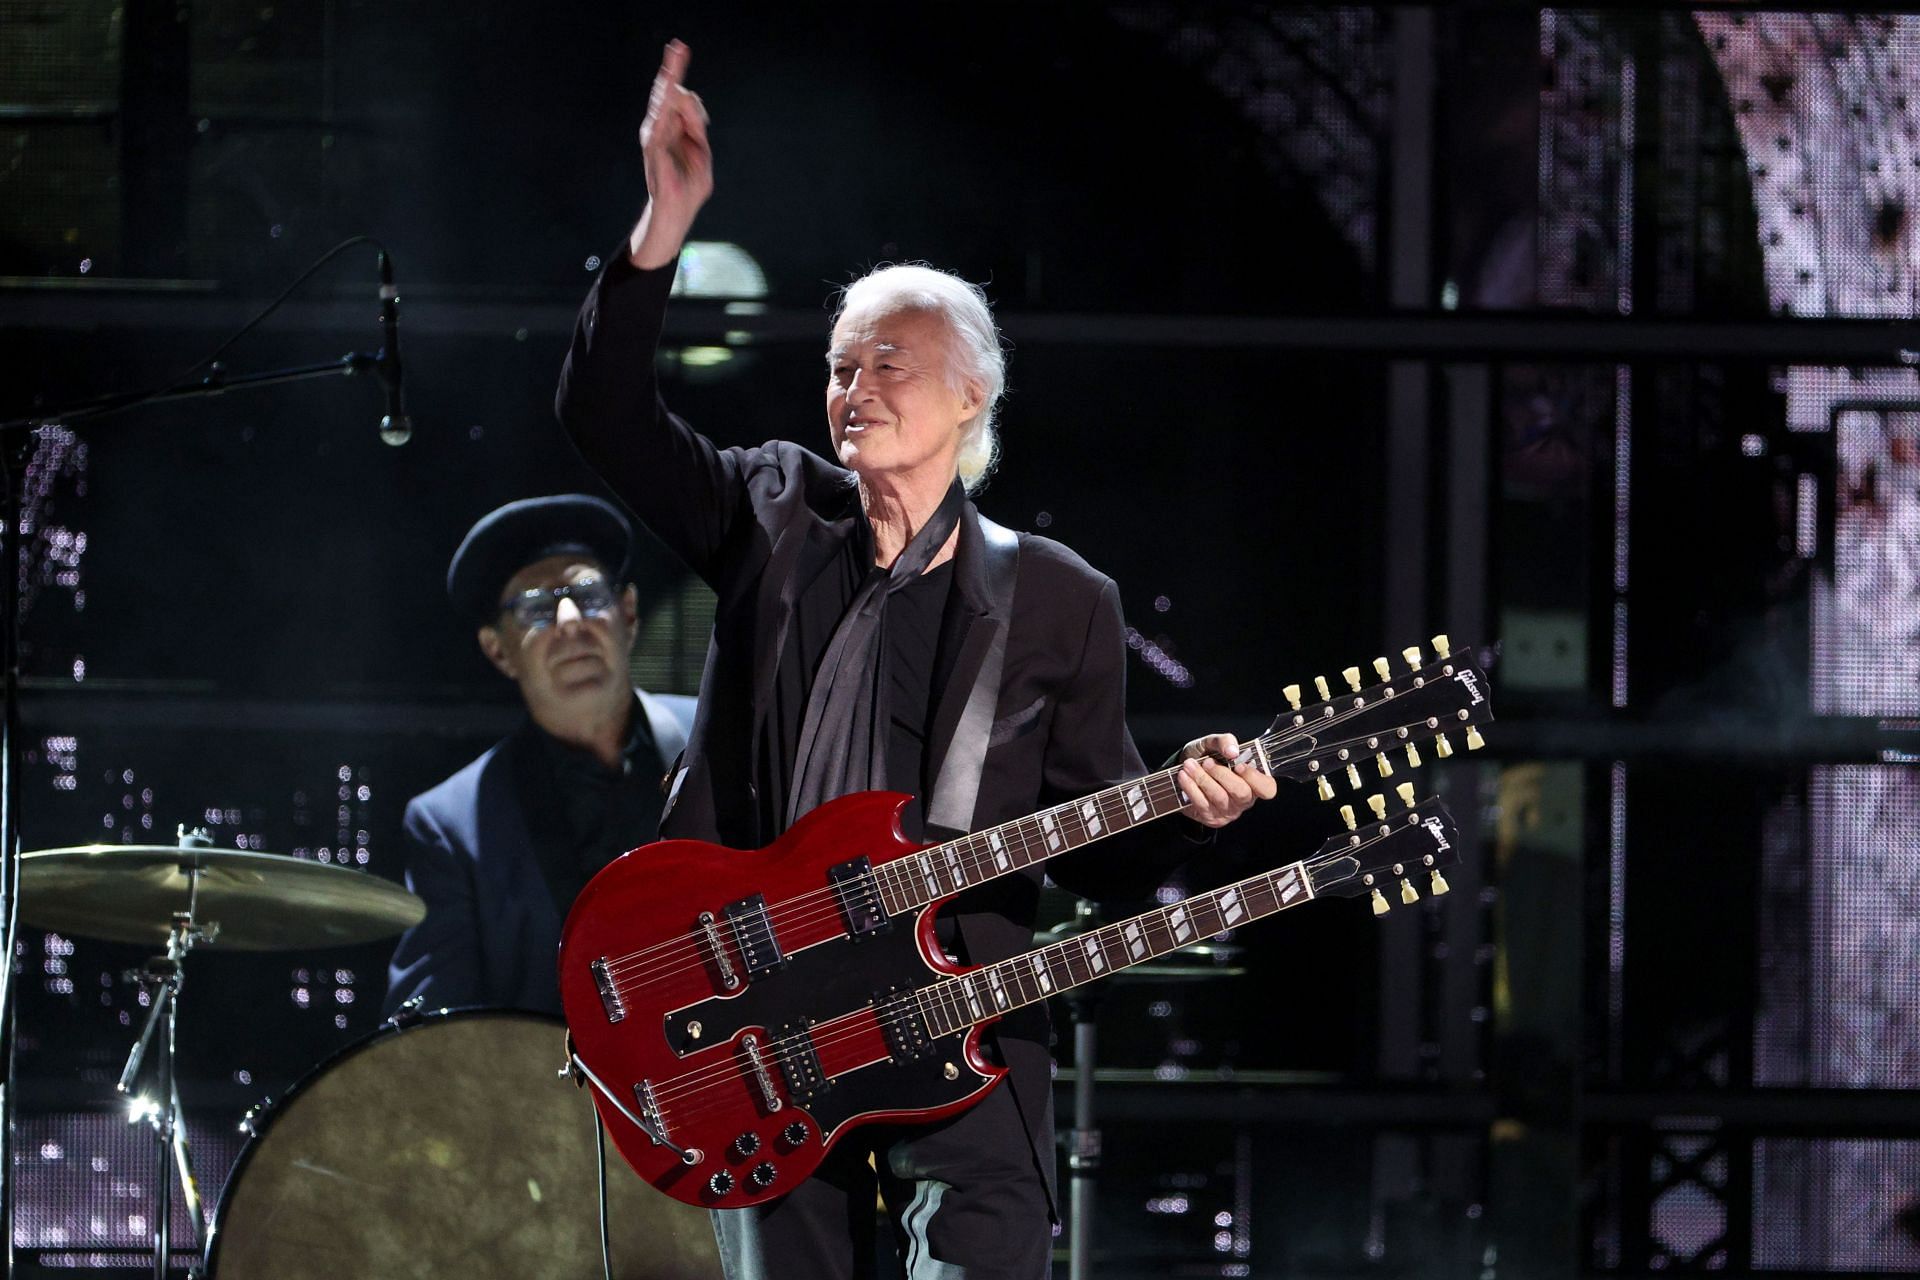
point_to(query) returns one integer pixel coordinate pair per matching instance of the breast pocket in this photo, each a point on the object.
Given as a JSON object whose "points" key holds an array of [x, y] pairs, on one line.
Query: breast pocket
{"points": [[1018, 724]]}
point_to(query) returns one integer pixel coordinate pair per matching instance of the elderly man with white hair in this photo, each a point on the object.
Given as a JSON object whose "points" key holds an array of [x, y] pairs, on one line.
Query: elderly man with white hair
{"points": [[863, 604]]}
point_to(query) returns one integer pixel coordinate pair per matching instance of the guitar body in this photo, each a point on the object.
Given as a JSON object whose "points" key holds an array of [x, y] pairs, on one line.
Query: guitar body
{"points": [[697, 981]]}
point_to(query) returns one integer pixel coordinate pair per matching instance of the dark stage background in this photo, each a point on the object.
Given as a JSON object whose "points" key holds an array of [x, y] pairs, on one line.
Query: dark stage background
{"points": [[1582, 335]]}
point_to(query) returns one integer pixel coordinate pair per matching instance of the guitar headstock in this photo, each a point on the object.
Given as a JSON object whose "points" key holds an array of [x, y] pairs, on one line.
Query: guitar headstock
{"points": [[1368, 731], [1390, 850]]}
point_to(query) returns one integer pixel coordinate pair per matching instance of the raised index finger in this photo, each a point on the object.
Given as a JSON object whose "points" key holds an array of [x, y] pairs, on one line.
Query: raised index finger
{"points": [[673, 67]]}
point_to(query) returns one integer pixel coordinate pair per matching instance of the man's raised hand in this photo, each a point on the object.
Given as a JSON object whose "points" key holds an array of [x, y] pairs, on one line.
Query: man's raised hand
{"points": [[678, 161]]}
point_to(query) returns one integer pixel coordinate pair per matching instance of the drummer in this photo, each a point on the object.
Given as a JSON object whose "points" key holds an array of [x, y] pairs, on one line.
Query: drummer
{"points": [[499, 850]]}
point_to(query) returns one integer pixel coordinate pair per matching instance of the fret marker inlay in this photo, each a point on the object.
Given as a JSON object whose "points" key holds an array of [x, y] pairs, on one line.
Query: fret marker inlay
{"points": [[1095, 956], [1039, 967], [999, 847], [1181, 929], [994, 985], [1137, 801], [1136, 944], [1230, 908], [1090, 812]]}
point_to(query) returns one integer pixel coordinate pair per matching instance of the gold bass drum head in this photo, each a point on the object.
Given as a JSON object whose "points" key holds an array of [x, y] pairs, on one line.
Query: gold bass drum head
{"points": [[445, 1150]]}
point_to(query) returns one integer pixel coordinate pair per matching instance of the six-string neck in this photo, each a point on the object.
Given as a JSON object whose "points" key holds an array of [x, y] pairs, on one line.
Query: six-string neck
{"points": [[995, 989]]}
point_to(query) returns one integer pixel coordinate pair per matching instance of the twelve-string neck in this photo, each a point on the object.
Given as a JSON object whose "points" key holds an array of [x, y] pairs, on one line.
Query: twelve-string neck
{"points": [[918, 879], [1026, 979], [913, 881]]}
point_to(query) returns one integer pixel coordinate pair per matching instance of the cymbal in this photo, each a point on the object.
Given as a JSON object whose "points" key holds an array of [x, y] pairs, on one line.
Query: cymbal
{"points": [[246, 901]]}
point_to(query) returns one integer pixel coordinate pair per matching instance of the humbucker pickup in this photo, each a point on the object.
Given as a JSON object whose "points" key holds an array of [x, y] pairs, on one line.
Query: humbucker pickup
{"points": [[753, 934], [903, 1024], [800, 1062], [859, 897]]}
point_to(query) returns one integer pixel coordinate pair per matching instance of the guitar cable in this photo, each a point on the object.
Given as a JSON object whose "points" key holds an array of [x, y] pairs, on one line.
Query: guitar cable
{"points": [[600, 1178]]}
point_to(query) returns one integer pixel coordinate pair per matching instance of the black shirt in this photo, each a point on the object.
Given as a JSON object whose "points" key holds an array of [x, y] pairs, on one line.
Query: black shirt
{"points": [[601, 813]]}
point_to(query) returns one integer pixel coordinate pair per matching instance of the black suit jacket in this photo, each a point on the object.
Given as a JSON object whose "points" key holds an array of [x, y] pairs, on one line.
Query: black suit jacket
{"points": [[487, 860], [741, 518]]}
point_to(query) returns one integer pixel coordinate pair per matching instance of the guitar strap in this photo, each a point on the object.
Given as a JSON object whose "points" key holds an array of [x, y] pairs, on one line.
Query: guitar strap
{"points": [[957, 789]]}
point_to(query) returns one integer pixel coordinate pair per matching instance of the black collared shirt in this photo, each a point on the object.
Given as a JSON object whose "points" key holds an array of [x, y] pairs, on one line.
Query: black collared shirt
{"points": [[600, 813]]}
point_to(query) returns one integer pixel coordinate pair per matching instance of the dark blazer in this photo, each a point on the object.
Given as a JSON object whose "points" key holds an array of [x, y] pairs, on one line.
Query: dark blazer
{"points": [[477, 855], [740, 518]]}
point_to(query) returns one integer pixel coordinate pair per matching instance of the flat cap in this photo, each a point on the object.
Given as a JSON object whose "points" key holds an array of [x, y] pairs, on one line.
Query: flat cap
{"points": [[508, 539]]}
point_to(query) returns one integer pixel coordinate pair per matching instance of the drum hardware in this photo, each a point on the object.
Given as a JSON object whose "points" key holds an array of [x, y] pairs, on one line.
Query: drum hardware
{"points": [[192, 895], [160, 981]]}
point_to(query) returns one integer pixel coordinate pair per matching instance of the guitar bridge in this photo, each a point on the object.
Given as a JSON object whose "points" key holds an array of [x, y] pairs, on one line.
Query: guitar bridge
{"points": [[609, 993], [757, 1063]]}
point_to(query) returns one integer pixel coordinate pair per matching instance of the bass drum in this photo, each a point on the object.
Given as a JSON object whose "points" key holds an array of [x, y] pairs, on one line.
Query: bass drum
{"points": [[446, 1149]]}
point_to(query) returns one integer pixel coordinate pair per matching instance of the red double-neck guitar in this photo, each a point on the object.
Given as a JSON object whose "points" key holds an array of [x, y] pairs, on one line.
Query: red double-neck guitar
{"points": [[735, 1013]]}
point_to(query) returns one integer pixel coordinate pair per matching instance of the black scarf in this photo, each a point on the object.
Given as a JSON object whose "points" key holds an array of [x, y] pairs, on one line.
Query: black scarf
{"points": [[842, 744]]}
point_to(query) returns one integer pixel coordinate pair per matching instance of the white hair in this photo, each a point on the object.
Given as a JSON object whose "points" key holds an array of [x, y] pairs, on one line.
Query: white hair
{"points": [[974, 356]]}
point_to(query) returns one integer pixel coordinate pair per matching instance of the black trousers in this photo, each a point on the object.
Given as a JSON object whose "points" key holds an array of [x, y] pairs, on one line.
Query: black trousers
{"points": [[964, 1196]]}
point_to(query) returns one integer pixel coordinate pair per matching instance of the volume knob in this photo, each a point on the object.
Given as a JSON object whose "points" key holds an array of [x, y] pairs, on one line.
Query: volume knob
{"points": [[762, 1175], [720, 1183], [747, 1143], [794, 1134]]}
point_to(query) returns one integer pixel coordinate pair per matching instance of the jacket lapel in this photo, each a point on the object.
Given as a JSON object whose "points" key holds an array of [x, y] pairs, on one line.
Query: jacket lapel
{"points": [[965, 632]]}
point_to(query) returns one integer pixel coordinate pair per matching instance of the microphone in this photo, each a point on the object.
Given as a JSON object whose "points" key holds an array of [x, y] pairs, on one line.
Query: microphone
{"points": [[396, 427]]}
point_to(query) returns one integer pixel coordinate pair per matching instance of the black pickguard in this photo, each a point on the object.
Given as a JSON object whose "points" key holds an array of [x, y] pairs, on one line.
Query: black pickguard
{"points": [[823, 982]]}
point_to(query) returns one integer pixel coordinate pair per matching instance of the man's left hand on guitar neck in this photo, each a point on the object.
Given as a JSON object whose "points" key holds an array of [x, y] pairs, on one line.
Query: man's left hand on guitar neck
{"points": [[1220, 789]]}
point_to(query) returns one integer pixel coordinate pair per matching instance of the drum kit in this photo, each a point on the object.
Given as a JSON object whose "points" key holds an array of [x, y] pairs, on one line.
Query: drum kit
{"points": [[438, 1147]]}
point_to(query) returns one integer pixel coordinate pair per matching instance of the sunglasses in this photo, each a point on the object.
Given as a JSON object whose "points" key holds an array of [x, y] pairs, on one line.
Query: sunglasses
{"points": [[539, 607]]}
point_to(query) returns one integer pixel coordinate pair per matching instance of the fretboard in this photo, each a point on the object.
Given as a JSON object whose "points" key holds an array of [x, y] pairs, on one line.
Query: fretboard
{"points": [[994, 989], [912, 882]]}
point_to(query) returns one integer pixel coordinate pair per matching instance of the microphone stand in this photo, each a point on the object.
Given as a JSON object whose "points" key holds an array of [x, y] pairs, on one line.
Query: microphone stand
{"points": [[17, 438]]}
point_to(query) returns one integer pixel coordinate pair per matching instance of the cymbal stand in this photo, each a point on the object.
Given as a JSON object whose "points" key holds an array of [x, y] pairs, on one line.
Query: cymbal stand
{"points": [[162, 978], [1083, 1140]]}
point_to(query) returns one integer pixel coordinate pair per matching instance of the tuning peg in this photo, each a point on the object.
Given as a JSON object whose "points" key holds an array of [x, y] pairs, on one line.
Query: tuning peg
{"points": [[1443, 646], [1353, 778], [1405, 792], [1441, 747], [1436, 884], [1380, 665], [1352, 676], [1320, 687], [1412, 654], [1413, 756], [1323, 787], [1377, 803], [1408, 894], [1384, 765], [1474, 740], [1380, 907], [1292, 694], [1346, 816]]}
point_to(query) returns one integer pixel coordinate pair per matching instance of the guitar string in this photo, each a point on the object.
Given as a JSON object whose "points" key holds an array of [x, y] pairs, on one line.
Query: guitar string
{"points": [[946, 989], [623, 967], [695, 1091], [869, 1020], [621, 971], [698, 1086], [1281, 740], [627, 984]]}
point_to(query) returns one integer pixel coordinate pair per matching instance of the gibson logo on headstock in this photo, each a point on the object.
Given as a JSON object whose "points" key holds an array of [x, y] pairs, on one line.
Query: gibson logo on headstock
{"points": [[1473, 686], [1438, 832]]}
